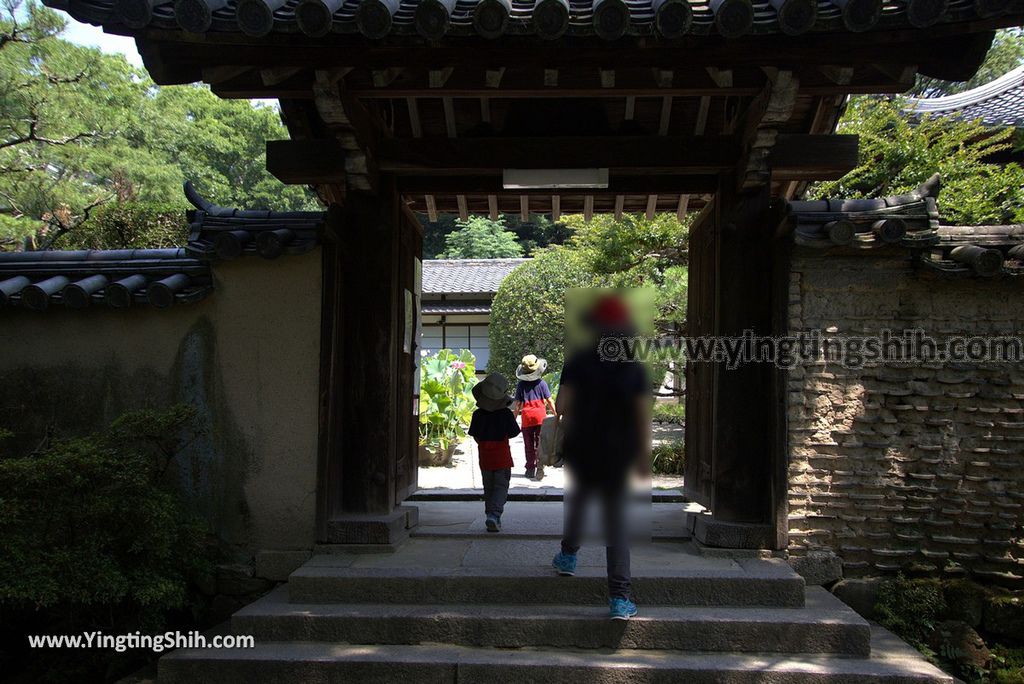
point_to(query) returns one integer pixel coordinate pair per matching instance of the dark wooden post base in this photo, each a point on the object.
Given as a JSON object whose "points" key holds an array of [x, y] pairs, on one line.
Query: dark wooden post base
{"points": [[367, 424]]}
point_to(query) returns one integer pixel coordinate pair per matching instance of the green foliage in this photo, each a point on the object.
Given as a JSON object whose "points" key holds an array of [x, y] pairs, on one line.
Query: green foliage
{"points": [[446, 398], [481, 238], [668, 458], [554, 381], [534, 234], [130, 225], [80, 129], [1007, 665], [528, 311], [910, 608], [1006, 54], [669, 412], [86, 524], [897, 155]]}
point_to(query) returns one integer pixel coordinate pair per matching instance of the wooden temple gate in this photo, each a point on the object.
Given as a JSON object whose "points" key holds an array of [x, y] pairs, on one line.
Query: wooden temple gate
{"points": [[723, 109]]}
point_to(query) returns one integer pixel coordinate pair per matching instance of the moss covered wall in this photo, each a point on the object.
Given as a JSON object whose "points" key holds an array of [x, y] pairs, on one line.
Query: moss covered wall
{"points": [[247, 357]]}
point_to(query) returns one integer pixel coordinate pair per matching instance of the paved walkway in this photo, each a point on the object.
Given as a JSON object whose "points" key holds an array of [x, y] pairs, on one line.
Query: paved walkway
{"points": [[465, 474]]}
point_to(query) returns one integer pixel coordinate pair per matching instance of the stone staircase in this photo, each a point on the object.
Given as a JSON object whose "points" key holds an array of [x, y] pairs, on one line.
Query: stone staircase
{"points": [[491, 610]]}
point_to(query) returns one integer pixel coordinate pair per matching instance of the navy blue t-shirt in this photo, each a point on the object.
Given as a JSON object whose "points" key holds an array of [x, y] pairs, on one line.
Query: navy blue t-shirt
{"points": [[602, 431]]}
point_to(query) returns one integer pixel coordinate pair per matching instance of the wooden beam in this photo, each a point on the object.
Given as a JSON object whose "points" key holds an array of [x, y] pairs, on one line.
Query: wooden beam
{"points": [[551, 78], [607, 78], [721, 77], [449, 117], [431, 208], [813, 157], [620, 200], [485, 183], [840, 75], [485, 109], [682, 207], [524, 208], [382, 78], [684, 154], [306, 162], [492, 207], [492, 77], [652, 206], [666, 115], [630, 112], [556, 208], [701, 123], [664, 77], [278, 75], [414, 117], [438, 77], [588, 208], [463, 207]]}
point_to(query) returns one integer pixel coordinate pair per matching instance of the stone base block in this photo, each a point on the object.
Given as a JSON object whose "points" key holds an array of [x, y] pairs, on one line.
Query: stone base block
{"points": [[273, 564], [731, 535], [373, 528]]}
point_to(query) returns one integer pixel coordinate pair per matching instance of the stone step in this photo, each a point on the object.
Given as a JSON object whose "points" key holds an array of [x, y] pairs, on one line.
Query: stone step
{"points": [[824, 625], [516, 494], [518, 572], [892, 662]]}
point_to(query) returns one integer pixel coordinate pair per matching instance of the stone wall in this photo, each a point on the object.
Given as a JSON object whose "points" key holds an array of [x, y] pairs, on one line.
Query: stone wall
{"points": [[248, 357], [916, 468]]}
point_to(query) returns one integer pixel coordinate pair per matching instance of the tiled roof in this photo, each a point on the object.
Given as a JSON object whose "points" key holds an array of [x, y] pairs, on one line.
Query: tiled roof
{"points": [[548, 19], [466, 276], [999, 103], [117, 278], [455, 307]]}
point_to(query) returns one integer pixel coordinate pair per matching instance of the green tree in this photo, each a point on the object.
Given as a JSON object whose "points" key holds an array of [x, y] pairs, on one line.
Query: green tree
{"points": [[534, 234], [481, 238], [1006, 54], [80, 129], [898, 154]]}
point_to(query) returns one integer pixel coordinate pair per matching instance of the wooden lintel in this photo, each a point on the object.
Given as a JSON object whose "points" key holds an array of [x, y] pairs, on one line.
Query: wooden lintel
{"points": [[306, 162], [588, 208], [524, 208], [620, 201], [652, 206], [463, 207], [813, 157], [556, 207], [490, 183], [684, 154], [431, 208], [492, 207]]}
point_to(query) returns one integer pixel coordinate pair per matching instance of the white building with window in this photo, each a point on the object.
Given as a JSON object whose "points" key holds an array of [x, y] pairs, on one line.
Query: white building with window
{"points": [[456, 304]]}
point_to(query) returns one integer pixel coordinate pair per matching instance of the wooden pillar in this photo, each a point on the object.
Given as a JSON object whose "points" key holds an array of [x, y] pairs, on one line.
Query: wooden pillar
{"points": [[366, 384], [733, 411]]}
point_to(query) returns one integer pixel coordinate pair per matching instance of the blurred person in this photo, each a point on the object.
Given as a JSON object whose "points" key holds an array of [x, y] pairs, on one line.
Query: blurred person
{"points": [[604, 407], [492, 426], [532, 402]]}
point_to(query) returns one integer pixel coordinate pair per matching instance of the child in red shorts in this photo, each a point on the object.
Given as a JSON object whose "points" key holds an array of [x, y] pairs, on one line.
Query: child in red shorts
{"points": [[492, 426]]}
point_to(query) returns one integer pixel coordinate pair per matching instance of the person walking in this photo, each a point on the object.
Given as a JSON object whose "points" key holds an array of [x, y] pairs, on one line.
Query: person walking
{"points": [[492, 425], [604, 407], [532, 402]]}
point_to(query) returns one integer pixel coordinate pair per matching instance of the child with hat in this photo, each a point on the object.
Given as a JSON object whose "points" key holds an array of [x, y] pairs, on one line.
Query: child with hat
{"points": [[492, 426], [532, 401]]}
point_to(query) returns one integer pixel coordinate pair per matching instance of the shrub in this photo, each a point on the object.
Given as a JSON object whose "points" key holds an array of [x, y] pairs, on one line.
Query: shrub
{"points": [[910, 608], [92, 540], [668, 459], [528, 311]]}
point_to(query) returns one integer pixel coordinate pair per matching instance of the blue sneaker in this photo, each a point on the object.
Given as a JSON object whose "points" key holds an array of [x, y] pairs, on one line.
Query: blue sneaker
{"points": [[493, 523], [621, 608], [565, 564]]}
